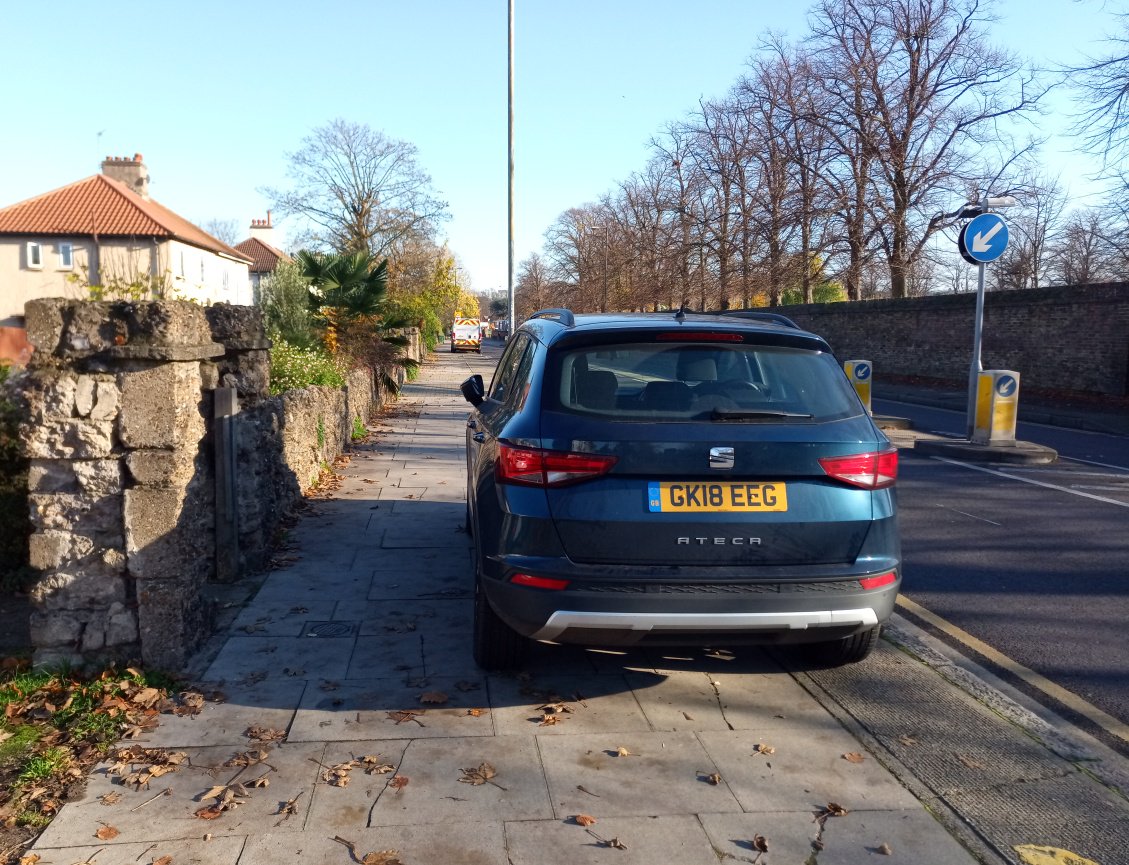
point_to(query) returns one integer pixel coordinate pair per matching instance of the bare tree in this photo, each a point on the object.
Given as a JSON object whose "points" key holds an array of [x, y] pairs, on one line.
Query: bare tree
{"points": [[1033, 229], [1084, 251], [359, 190], [226, 230], [930, 85], [532, 288], [1102, 121]]}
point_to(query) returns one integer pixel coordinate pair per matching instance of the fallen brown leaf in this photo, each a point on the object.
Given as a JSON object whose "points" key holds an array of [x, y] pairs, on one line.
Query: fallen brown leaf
{"points": [[405, 715], [477, 713], [853, 757], [714, 778], [907, 739], [106, 833], [210, 813], [399, 782], [382, 857], [761, 748], [436, 698], [110, 798], [468, 686], [548, 720], [584, 820], [264, 734], [622, 752], [970, 763], [29, 859], [760, 843], [886, 850], [484, 773]]}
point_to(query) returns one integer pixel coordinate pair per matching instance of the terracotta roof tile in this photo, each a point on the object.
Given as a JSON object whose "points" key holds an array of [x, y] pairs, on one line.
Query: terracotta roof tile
{"points": [[105, 207], [264, 257]]}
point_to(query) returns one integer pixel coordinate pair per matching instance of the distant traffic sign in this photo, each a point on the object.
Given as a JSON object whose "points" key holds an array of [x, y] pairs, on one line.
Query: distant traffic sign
{"points": [[983, 239]]}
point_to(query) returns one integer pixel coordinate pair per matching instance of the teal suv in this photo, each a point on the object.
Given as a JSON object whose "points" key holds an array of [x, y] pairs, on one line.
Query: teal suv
{"points": [[676, 479]]}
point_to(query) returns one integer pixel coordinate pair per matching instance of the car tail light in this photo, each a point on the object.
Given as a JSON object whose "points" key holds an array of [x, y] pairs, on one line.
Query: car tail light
{"points": [[879, 581], [538, 582], [872, 471], [541, 468]]}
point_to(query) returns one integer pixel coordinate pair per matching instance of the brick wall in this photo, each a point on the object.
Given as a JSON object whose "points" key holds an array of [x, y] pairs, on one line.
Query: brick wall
{"points": [[1067, 340]]}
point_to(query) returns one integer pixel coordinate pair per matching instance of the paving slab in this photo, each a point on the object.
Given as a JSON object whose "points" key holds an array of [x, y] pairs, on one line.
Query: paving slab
{"points": [[665, 773], [270, 703], [274, 617], [216, 851], [912, 836], [279, 657], [480, 843], [647, 841], [434, 794], [806, 770], [360, 709], [345, 809], [168, 817], [591, 704], [682, 700]]}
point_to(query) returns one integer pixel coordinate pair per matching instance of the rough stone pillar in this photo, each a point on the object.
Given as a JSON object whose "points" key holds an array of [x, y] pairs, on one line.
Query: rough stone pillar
{"points": [[121, 488]]}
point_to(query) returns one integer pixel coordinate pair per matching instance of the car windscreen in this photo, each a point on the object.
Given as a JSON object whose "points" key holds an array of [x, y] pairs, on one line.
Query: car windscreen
{"points": [[743, 382]]}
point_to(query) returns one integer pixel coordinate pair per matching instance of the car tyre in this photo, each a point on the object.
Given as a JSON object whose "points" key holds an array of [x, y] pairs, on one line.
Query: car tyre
{"points": [[849, 650], [497, 646]]}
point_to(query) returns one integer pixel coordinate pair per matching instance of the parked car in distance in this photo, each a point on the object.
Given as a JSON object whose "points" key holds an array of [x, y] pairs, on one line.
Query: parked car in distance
{"points": [[676, 479]]}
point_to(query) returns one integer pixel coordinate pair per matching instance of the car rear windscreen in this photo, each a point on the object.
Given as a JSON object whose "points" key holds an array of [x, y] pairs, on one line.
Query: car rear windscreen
{"points": [[721, 382]]}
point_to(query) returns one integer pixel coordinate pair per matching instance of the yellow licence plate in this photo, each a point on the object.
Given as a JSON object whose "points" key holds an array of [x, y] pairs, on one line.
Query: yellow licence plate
{"points": [[699, 497]]}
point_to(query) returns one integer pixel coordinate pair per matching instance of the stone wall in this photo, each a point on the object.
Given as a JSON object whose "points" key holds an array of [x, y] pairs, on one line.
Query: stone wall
{"points": [[1064, 341], [122, 467]]}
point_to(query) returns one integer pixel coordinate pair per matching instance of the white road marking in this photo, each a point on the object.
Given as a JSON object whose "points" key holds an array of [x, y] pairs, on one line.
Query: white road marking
{"points": [[973, 516], [1095, 463], [1068, 698], [1032, 481]]}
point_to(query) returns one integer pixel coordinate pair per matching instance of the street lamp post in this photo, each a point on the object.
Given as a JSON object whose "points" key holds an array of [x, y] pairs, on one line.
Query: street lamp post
{"points": [[510, 184]]}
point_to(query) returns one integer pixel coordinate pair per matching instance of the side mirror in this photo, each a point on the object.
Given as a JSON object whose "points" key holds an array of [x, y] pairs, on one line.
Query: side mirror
{"points": [[473, 390]]}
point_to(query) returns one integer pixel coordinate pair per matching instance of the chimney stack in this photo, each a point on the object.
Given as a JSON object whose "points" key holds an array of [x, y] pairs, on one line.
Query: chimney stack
{"points": [[262, 229], [131, 172]]}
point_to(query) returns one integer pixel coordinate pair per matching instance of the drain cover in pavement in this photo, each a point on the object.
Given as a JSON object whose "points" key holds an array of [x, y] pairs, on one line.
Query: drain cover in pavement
{"points": [[330, 629]]}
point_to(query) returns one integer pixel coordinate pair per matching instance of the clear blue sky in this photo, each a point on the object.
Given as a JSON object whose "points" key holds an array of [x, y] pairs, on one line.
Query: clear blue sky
{"points": [[214, 94]]}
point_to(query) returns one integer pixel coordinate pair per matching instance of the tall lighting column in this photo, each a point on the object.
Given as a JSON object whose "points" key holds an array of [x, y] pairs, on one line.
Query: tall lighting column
{"points": [[510, 258]]}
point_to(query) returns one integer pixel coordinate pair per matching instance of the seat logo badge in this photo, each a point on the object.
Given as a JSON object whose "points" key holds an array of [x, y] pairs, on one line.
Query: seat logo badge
{"points": [[721, 458]]}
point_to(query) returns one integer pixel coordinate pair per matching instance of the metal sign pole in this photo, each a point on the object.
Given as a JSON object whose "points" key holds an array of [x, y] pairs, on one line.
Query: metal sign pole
{"points": [[977, 366]]}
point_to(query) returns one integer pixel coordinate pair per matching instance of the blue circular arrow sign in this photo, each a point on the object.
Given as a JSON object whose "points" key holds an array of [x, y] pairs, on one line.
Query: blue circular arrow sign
{"points": [[984, 239], [862, 371], [1006, 385]]}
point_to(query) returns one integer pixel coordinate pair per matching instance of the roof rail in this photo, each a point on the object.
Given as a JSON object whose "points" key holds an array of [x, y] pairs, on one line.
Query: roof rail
{"points": [[771, 317], [564, 316]]}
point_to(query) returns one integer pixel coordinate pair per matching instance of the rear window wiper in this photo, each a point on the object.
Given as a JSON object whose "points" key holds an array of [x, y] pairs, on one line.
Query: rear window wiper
{"points": [[750, 414]]}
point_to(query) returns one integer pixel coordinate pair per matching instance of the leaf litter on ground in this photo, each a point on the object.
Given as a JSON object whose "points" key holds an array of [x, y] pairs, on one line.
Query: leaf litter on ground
{"points": [[484, 773]]}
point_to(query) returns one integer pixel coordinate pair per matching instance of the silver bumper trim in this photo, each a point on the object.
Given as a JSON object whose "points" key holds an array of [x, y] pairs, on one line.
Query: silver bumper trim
{"points": [[562, 620]]}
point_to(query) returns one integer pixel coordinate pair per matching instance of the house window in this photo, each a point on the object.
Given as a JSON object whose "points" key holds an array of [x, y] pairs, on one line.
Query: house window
{"points": [[34, 255], [66, 256]]}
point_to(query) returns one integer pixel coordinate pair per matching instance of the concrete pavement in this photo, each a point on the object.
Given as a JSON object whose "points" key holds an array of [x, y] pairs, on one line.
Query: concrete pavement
{"points": [[348, 685]]}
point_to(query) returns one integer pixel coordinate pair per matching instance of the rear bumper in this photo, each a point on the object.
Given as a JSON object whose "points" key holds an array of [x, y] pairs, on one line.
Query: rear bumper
{"points": [[703, 623], [794, 612]]}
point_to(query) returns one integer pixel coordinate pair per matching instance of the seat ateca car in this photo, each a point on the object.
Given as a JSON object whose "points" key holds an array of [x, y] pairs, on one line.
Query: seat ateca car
{"points": [[676, 479]]}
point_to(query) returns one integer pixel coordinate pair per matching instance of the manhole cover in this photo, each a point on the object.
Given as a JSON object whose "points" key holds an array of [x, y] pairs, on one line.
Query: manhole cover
{"points": [[330, 629]]}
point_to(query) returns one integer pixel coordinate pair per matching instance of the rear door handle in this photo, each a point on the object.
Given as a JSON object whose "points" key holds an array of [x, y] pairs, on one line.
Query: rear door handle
{"points": [[479, 437]]}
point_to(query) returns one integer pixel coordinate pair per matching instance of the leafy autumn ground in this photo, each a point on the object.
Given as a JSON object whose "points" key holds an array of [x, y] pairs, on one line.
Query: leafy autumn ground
{"points": [[54, 727]]}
